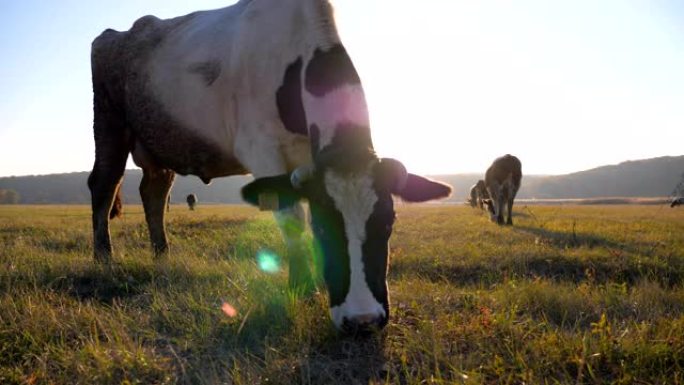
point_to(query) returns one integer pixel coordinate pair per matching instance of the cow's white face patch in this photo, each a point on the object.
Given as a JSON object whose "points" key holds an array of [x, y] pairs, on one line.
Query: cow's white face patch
{"points": [[345, 105], [355, 197]]}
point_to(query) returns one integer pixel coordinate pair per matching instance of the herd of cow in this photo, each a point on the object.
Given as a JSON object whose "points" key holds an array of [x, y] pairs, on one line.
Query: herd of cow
{"points": [[496, 193]]}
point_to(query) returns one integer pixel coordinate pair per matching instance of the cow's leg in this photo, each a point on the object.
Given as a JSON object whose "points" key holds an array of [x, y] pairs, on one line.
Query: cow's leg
{"points": [[496, 198], [511, 199], [111, 152], [154, 191], [499, 202], [292, 223], [509, 204], [500, 209]]}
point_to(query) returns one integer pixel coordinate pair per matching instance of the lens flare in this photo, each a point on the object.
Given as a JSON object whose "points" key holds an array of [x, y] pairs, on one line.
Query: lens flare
{"points": [[268, 261], [228, 310]]}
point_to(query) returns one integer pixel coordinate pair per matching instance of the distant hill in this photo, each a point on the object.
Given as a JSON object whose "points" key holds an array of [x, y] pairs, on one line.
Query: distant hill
{"points": [[655, 177], [640, 178], [72, 188]]}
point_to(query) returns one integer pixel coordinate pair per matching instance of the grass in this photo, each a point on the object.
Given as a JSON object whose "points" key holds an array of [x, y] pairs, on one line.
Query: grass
{"points": [[570, 295]]}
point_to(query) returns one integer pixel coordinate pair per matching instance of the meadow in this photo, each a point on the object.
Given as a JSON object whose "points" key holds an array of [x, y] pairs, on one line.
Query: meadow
{"points": [[569, 295]]}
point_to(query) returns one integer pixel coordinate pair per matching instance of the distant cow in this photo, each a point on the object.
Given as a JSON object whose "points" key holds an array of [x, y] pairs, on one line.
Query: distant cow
{"points": [[478, 194], [677, 201], [192, 201], [502, 180], [263, 87]]}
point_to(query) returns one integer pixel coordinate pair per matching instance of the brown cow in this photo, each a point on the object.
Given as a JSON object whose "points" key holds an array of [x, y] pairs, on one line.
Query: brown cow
{"points": [[478, 194], [502, 180]]}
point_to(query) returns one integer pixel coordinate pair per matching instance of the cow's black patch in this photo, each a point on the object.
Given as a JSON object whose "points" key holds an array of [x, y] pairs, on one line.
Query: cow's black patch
{"points": [[209, 71], [327, 225], [351, 145], [376, 247], [350, 149], [288, 196], [315, 137], [289, 99], [330, 69]]}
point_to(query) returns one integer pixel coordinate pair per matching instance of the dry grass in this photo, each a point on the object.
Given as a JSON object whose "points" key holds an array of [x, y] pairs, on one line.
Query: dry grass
{"points": [[590, 294]]}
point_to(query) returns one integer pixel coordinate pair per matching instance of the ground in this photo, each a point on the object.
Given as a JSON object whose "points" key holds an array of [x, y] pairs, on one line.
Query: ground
{"points": [[569, 295]]}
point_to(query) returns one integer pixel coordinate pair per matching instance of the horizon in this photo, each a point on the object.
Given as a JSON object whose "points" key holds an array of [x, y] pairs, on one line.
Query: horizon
{"points": [[432, 175], [581, 85]]}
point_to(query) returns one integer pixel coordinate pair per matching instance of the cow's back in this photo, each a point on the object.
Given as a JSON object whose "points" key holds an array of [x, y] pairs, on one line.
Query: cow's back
{"points": [[503, 168], [193, 87]]}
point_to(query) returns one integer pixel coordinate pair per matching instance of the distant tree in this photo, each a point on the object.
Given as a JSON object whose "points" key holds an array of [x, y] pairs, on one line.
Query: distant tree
{"points": [[192, 201], [9, 197]]}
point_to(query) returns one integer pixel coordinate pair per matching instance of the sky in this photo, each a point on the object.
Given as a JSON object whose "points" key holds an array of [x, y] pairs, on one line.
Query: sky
{"points": [[565, 85]]}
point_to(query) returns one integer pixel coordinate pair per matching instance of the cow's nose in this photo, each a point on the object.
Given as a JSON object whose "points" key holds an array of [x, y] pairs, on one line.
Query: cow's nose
{"points": [[363, 323]]}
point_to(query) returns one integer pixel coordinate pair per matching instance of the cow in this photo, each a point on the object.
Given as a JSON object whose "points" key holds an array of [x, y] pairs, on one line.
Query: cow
{"points": [[191, 199], [502, 181], [478, 193], [677, 202], [263, 87]]}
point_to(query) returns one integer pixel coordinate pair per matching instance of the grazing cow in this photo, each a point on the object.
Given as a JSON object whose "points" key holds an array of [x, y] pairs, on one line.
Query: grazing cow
{"points": [[192, 201], [503, 182], [478, 193], [262, 87]]}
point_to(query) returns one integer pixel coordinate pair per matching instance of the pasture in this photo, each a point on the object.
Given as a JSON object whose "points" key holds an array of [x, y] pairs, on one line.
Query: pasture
{"points": [[569, 295]]}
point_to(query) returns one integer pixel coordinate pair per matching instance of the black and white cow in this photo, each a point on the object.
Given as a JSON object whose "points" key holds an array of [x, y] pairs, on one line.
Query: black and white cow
{"points": [[478, 193], [262, 87], [502, 180]]}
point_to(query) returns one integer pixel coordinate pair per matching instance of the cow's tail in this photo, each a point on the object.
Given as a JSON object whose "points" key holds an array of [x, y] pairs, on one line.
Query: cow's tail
{"points": [[117, 209]]}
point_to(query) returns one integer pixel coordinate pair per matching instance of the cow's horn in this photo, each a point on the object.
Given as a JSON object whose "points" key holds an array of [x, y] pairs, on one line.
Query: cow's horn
{"points": [[301, 174]]}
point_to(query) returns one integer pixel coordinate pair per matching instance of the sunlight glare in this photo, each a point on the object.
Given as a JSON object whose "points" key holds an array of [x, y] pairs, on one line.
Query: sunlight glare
{"points": [[228, 309], [268, 261]]}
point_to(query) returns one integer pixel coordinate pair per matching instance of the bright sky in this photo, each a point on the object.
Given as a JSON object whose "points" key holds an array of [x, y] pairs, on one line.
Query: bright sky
{"points": [[451, 84]]}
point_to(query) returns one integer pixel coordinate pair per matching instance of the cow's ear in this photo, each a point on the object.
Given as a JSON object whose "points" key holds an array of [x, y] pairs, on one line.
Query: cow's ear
{"points": [[421, 189], [271, 193]]}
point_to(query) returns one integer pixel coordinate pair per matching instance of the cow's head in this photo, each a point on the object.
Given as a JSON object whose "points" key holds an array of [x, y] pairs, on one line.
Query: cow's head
{"points": [[495, 192], [352, 213], [489, 205]]}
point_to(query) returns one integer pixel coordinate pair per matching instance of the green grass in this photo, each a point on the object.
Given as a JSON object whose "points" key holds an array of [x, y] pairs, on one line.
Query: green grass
{"points": [[591, 294]]}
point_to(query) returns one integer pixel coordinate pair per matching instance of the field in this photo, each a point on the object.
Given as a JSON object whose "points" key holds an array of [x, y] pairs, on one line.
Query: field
{"points": [[570, 295]]}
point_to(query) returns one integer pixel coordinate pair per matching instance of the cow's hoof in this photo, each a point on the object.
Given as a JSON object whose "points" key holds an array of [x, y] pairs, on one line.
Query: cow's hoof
{"points": [[161, 252], [102, 256]]}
